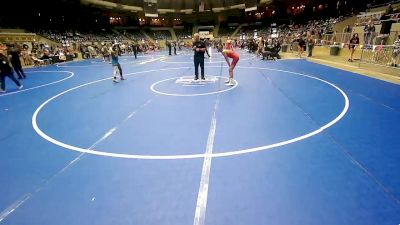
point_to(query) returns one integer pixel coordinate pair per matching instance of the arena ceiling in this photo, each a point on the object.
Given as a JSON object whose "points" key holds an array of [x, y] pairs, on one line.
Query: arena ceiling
{"points": [[172, 6], [181, 4]]}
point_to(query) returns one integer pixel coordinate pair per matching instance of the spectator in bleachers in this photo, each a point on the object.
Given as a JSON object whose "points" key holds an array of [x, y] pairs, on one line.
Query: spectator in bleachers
{"points": [[62, 56], [105, 53], [25, 55], [46, 57], [36, 60], [271, 50], [183, 33], [348, 29], [92, 52], [369, 32], [267, 50]]}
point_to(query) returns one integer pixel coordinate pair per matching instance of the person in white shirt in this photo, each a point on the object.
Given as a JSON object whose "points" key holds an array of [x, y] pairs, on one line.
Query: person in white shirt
{"points": [[396, 52]]}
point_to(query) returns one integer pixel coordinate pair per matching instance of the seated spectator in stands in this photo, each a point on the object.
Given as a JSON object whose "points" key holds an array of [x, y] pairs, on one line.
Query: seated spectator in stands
{"points": [[271, 50], [61, 56], [36, 61], [396, 52], [354, 41], [46, 57], [267, 50], [276, 50], [92, 51], [106, 54], [252, 46]]}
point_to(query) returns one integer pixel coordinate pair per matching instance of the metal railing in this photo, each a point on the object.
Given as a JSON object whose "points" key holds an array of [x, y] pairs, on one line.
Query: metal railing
{"points": [[383, 4], [361, 21], [365, 39], [331, 39], [382, 55], [364, 18], [395, 17]]}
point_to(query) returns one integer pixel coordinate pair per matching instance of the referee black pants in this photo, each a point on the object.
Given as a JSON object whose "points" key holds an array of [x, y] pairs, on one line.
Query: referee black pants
{"points": [[18, 69], [198, 61]]}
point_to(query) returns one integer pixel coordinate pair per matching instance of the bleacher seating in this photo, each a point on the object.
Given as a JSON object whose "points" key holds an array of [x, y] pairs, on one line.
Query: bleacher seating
{"points": [[183, 33], [160, 34]]}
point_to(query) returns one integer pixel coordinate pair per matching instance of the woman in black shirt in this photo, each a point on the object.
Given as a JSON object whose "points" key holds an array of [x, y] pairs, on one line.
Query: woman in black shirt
{"points": [[302, 46], [354, 41]]}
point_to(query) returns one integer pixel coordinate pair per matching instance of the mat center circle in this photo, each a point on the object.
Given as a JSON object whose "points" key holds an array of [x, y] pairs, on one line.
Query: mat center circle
{"points": [[186, 86]]}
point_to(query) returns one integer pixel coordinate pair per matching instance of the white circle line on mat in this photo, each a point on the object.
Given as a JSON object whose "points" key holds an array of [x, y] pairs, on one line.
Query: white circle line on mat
{"points": [[43, 85], [192, 156], [152, 88]]}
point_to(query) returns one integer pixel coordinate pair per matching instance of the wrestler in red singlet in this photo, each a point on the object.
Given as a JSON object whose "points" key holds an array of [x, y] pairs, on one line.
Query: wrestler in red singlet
{"points": [[229, 53]]}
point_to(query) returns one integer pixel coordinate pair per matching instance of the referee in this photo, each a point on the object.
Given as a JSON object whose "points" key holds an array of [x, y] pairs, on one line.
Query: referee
{"points": [[16, 62], [199, 48]]}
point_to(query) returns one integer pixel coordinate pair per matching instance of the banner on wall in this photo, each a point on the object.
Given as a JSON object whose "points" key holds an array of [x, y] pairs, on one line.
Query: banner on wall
{"points": [[204, 34]]}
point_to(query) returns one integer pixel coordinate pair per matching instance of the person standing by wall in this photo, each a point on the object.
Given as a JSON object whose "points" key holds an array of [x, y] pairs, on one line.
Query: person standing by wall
{"points": [[310, 43], [301, 46], [354, 41], [369, 33], [348, 29], [396, 52]]}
